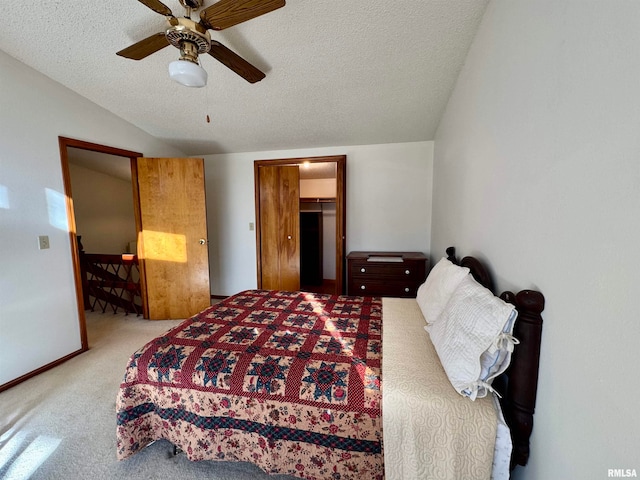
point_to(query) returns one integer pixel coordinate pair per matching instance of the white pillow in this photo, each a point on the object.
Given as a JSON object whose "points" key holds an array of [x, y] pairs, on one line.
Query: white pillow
{"points": [[473, 338], [435, 292], [497, 357]]}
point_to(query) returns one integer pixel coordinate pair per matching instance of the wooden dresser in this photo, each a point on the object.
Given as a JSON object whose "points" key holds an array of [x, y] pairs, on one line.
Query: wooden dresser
{"points": [[386, 274]]}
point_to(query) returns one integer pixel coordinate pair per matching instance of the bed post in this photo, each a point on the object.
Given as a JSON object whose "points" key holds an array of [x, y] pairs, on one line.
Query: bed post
{"points": [[451, 255], [522, 376]]}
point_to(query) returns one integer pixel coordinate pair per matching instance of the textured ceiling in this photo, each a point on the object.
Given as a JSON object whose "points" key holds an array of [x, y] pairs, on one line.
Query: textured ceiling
{"points": [[337, 72]]}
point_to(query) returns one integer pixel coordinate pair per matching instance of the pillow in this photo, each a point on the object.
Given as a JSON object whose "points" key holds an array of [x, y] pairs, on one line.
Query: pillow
{"points": [[435, 292], [497, 357], [473, 338]]}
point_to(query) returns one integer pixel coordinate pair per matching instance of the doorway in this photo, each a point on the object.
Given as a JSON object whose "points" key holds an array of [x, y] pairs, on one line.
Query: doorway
{"points": [[168, 252], [67, 147], [315, 246]]}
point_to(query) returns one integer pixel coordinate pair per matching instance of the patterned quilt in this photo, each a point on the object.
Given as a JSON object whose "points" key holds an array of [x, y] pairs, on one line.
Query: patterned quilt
{"points": [[289, 381]]}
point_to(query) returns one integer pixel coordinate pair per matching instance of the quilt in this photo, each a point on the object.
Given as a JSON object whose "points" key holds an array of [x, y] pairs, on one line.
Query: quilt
{"points": [[289, 381], [430, 431]]}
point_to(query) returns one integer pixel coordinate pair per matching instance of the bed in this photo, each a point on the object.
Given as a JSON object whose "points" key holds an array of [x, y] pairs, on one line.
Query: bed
{"points": [[297, 384]]}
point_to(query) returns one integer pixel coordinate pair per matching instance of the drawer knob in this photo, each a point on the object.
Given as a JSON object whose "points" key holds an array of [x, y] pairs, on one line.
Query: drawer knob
{"points": [[362, 287], [406, 289], [407, 272], [363, 269]]}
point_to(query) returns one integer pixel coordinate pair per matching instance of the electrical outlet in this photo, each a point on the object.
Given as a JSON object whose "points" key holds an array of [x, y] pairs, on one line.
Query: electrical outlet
{"points": [[43, 242]]}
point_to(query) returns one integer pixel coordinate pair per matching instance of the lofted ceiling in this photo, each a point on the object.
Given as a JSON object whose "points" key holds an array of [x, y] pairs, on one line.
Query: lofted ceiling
{"points": [[120, 167], [337, 72]]}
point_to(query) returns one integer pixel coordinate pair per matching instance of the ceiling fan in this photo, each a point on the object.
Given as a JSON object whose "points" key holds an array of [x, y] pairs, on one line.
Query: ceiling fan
{"points": [[193, 38]]}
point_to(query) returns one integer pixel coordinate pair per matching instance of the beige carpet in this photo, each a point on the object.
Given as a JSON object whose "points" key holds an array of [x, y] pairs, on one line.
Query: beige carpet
{"points": [[61, 423]]}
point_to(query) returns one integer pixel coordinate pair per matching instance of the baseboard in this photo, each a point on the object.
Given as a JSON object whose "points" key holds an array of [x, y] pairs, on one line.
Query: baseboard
{"points": [[44, 368]]}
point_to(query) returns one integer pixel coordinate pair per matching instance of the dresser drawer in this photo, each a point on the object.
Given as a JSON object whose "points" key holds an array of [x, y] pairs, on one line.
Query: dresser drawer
{"points": [[376, 288], [398, 270]]}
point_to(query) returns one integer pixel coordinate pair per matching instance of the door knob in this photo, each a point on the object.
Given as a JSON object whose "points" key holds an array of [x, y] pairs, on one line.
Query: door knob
{"points": [[289, 237], [203, 241]]}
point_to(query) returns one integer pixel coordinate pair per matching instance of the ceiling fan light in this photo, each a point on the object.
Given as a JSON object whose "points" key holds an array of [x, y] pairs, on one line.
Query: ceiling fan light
{"points": [[187, 73]]}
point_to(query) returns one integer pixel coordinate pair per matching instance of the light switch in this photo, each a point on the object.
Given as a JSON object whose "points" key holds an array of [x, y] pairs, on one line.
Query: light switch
{"points": [[43, 242], [251, 226]]}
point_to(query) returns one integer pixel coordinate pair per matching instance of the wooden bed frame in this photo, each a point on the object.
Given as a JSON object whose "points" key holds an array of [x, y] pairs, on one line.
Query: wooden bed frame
{"points": [[519, 384]]}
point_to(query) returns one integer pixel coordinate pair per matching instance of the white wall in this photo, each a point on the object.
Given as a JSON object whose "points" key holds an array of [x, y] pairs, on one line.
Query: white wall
{"points": [[318, 188], [537, 169], [38, 309], [388, 205], [103, 209], [328, 241]]}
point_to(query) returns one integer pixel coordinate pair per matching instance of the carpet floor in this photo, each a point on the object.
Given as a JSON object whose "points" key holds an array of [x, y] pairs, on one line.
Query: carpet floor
{"points": [[61, 423]]}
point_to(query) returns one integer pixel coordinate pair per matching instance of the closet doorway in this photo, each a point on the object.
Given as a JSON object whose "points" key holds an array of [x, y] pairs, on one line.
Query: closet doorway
{"points": [[300, 223]]}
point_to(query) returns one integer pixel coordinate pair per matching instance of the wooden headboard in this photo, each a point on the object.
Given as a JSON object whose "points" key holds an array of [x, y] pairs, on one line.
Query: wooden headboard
{"points": [[519, 384]]}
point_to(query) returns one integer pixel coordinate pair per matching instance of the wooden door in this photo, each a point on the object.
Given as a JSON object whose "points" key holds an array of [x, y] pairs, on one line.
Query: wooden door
{"points": [[279, 198], [172, 232], [340, 226]]}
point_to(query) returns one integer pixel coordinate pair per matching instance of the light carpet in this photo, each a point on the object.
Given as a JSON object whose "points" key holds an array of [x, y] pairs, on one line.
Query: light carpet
{"points": [[61, 424]]}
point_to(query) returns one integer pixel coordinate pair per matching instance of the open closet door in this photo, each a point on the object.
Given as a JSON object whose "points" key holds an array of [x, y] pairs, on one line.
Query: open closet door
{"points": [[279, 235], [172, 233]]}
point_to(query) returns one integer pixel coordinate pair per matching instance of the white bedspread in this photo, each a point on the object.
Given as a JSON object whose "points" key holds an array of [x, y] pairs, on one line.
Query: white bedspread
{"points": [[430, 431]]}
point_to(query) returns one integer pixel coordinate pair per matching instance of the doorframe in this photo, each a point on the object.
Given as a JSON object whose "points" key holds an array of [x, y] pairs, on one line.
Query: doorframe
{"points": [[341, 179], [64, 143]]}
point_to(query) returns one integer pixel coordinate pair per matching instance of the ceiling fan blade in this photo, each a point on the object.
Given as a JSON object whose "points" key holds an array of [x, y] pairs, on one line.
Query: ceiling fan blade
{"points": [[235, 62], [158, 7], [145, 47], [227, 13]]}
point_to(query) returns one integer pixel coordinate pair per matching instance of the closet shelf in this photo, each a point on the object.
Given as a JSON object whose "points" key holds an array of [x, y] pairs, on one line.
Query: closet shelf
{"points": [[317, 200]]}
